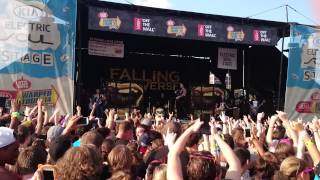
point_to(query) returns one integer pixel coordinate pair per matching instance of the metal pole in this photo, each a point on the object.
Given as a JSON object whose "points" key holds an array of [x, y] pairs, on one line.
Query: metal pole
{"points": [[281, 62], [78, 59], [243, 69]]}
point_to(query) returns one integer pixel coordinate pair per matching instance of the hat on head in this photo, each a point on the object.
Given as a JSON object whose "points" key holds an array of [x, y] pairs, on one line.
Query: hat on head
{"points": [[54, 131], [145, 140], [6, 137], [146, 122]]}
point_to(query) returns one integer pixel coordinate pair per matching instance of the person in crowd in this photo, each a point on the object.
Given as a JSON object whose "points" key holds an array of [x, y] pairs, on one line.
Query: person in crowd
{"points": [[120, 159], [293, 168], [29, 159], [9, 151], [78, 163], [157, 147], [98, 100], [58, 146]]}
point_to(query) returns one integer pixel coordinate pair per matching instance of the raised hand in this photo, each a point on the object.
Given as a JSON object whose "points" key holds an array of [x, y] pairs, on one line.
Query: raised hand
{"points": [[71, 124], [169, 138], [197, 125], [213, 129], [260, 116], [39, 102], [283, 116], [15, 106], [223, 117]]}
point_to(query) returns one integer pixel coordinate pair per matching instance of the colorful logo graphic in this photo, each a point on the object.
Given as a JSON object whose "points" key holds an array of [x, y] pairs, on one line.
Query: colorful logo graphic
{"points": [[111, 23], [49, 96], [205, 30], [138, 24], [261, 36], [143, 24], [178, 30], [312, 106], [235, 35], [21, 84]]}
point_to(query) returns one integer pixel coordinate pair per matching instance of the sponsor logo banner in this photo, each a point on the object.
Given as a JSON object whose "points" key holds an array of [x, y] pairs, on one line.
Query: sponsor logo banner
{"points": [[37, 43], [152, 24], [303, 94]]}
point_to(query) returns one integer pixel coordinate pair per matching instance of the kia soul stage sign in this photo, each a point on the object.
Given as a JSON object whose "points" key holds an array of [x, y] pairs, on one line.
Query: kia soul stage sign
{"points": [[37, 52]]}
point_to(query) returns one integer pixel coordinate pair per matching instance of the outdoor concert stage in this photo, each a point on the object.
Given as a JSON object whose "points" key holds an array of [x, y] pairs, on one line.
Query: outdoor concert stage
{"points": [[140, 54]]}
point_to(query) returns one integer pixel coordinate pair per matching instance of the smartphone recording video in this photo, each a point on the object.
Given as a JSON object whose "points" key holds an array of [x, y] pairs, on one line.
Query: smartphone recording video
{"points": [[83, 121], [48, 174], [247, 131], [205, 128]]}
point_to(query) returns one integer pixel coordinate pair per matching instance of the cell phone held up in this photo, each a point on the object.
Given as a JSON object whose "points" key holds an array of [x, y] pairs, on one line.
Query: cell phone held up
{"points": [[205, 127], [48, 174], [83, 121]]}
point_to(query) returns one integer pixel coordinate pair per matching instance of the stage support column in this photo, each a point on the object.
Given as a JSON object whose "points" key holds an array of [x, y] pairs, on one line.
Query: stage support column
{"points": [[243, 78], [78, 75], [281, 62], [280, 73]]}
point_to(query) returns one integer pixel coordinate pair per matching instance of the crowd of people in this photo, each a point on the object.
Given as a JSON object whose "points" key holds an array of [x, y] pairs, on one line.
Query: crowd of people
{"points": [[37, 145]]}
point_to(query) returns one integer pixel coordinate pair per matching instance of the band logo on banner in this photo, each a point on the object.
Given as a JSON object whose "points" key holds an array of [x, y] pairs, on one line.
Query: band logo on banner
{"points": [[37, 52], [227, 58], [303, 83]]}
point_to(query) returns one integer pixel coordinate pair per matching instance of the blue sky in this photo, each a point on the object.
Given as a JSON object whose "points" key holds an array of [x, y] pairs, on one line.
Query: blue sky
{"points": [[240, 8]]}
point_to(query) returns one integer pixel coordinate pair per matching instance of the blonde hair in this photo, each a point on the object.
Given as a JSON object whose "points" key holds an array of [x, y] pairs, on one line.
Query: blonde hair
{"points": [[160, 172], [283, 151], [290, 168], [121, 175]]}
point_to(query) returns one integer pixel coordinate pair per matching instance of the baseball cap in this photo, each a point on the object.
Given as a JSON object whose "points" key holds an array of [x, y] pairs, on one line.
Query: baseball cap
{"points": [[6, 136], [54, 131], [145, 140]]}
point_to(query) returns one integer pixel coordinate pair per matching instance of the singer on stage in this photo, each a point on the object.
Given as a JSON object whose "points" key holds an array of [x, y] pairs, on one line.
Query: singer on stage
{"points": [[181, 102]]}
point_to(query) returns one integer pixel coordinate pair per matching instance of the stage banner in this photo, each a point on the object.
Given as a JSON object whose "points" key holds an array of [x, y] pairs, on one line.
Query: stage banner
{"points": [[303, 78], [37, 58], [227, 58], [154, 24], [106, 48]]}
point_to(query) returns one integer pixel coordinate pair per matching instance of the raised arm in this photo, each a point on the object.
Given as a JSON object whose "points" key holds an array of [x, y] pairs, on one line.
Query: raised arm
{"points": [[300, 147], [46, 116], [71, 125], [14, 114], [39, 117], [79, 111], [110, 120], [270, 129], [174, 169], [234, 170], [291, 133], [311, 147]]}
